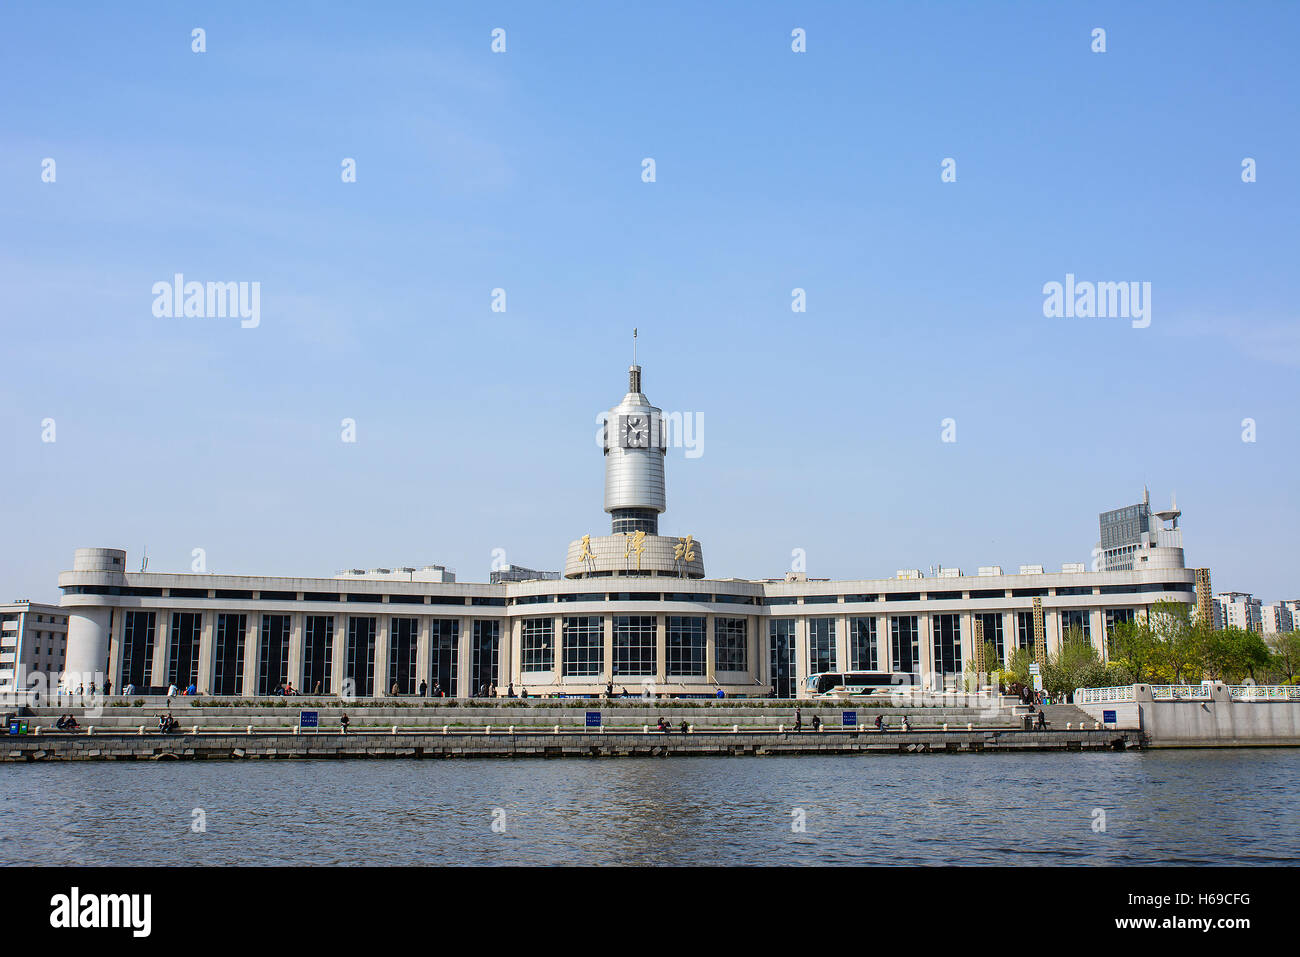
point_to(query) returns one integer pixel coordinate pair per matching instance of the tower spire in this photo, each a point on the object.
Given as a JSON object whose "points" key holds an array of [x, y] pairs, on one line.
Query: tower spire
{"points": [[634, 372]]}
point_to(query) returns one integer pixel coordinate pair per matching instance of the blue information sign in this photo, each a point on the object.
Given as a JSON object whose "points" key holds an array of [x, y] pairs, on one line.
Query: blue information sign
{"points": [[593, 719], [13, 727], [309, 719], [1108, 717], [850, 719]]}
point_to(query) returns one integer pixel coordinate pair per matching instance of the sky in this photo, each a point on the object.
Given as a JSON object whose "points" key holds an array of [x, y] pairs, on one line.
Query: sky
{"points": [[774, 170]]}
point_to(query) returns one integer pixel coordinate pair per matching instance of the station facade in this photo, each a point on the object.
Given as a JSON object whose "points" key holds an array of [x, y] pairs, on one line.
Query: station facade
{"points": [[634, 611]]}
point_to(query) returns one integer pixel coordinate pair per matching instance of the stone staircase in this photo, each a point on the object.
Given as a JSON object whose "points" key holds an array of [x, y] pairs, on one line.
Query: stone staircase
{"points": [[119, 718]]}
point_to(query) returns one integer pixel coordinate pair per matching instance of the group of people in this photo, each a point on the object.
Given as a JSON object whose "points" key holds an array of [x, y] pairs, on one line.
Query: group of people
{"points": [[67, 723], [167, 724], [663, 725], [881, 723], [189, 691]]}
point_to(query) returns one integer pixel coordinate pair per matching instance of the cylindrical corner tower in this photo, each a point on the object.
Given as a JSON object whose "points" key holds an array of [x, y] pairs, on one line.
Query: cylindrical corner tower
{"points": [[635, 445]]}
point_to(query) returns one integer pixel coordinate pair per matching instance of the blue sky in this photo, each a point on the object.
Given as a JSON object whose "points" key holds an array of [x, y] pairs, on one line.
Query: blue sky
{"points": [[522, 170]]}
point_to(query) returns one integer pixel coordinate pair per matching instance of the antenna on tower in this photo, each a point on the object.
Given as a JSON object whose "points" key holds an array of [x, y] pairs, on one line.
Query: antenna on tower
{"points": [[144, 560], [634, 345]]}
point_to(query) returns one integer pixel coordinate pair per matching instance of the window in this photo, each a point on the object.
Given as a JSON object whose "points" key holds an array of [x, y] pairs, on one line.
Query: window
{"points": [[862, 645], [183, 659], [403, 651], [1075, 618], [444, 641], [1025, 629], [584, 646], [274, 663], [992, 622], [781, 656], [686, 645], [318, 654], [634, 645], [485, 650], [537, 644], [361, 655], [905, 643], [228, 675], [946, 632], [821, 645], [1117, 616], [730, 644]]}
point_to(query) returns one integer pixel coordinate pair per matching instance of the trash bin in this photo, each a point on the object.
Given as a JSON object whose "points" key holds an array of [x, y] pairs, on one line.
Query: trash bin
{"points": [[1027, 721]]}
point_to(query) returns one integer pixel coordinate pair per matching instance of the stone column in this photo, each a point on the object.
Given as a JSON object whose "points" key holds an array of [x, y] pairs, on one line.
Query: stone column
{"points": [[1097, 630], [116, 624], [465, 659], [1052, 629], [383, 624], [513, 665], [423, 654], [339, 662], [928, 665], [884, 644], [607, 634], [161, 647], [296, 631], [800, 651], [661, 650], [843, 660], [968, 652], [759, 666], [207, 650], [252, 651]]}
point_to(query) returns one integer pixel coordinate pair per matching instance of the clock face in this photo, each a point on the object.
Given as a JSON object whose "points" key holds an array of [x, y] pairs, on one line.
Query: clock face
{"points": [[636, 432]]}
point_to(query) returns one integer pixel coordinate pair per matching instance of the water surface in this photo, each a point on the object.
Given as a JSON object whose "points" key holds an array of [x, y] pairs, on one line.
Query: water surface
{"points": [[1184, 807]]}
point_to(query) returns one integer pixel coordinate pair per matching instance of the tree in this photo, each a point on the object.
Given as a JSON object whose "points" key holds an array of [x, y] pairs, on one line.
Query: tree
{"points": [[1285, 647], [1247, 654], [1134, 644], [1179, 653]]}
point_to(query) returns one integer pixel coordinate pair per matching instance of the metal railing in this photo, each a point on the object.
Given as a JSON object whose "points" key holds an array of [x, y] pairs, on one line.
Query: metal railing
{"points": [[1264, 692], [1103, 695], [1199, 692]]}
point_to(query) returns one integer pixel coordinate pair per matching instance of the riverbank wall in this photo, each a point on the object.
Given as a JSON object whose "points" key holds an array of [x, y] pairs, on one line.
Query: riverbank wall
{"points": [[1211, 715], [218, 746]]}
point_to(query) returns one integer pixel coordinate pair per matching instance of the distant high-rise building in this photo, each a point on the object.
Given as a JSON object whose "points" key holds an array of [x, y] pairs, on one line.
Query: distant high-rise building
{"points": [[1278, 618], [1238, 609]]}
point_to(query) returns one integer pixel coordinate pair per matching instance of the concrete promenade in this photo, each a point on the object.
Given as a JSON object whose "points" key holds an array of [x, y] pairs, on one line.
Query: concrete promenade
{"points": [[217, 745]]}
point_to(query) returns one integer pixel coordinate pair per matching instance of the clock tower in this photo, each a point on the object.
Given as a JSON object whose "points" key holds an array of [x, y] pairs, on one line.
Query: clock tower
{"points": [[635, 443], [635, 446]]}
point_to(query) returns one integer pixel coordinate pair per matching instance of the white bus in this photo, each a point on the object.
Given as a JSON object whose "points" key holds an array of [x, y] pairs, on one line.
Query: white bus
{"points": [[835, 684]]}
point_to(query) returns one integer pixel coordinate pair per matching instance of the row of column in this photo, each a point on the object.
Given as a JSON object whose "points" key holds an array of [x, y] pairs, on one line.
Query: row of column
{"points": [[164, 638], [509, 662], [925, 639]]}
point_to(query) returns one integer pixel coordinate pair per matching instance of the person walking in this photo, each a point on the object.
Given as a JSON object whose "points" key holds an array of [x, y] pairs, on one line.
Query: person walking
{"points": [[1041, 725], [424, 688], [798, 720]]}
